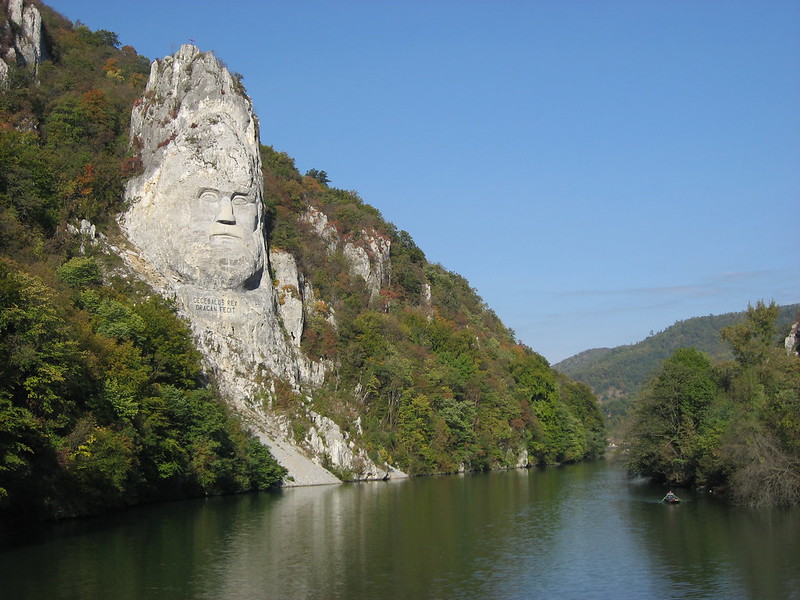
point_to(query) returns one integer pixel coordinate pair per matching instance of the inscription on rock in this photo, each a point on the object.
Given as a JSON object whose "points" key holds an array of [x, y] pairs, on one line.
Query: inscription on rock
{"points": [[206, 304]]}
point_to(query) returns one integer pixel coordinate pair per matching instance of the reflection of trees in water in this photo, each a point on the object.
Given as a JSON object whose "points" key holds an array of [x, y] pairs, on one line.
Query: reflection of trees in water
{"points": [[768, 550], [596, 554], [156, 551], [710, 549], [448, 536]]}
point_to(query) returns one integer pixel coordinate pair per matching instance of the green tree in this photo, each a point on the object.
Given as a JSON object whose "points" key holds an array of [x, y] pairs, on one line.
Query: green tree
{"points": [[80, 272], [20, 436], [667, 418], [415, 432], [38, 360], [28, 185], [320, 176], [751, 339], [760, 449]]}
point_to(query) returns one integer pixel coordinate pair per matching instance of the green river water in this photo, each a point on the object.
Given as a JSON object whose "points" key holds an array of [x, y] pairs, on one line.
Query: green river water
{"points": [[579, 532]]}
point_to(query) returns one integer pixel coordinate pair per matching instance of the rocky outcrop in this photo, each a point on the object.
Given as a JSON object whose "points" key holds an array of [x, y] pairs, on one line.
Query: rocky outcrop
{"points": [[196, 209], [318, 221], [368, 254], [327, 440], [22, 37], [195, 221], [369, 259], [290, 287], [792, 341], [87, 232]]}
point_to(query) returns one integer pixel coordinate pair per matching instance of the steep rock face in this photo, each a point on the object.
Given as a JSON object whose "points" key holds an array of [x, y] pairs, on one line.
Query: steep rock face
{"points": [[319, 223], [368, 255], [289, 284], [198, 142], [22, 36], [792, 341], [369, 259], [195, 217]]}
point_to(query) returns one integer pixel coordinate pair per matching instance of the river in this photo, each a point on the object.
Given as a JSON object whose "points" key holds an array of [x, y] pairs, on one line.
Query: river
{"points": [[582, 532]]}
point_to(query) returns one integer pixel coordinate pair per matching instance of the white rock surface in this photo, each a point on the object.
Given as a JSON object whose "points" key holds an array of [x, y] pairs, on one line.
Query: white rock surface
{"points": [[368, 256], [319, 222], [792, 341], [289, 287], [328, 440], [369, 259], [27, 40]]}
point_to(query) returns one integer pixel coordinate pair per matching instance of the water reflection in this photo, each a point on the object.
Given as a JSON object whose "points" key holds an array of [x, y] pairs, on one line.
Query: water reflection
{"points": [[434, 537], [579, 532], [722, 551], [151, 552]]}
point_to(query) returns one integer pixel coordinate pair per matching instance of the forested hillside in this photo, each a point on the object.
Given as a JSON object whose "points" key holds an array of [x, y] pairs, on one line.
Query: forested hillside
{"points": [[104, 400], [435, 377], [617, 375]]}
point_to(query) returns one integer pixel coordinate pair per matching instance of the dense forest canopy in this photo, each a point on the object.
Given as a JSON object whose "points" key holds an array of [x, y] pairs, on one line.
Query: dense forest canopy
{"points": [[104, 400]]}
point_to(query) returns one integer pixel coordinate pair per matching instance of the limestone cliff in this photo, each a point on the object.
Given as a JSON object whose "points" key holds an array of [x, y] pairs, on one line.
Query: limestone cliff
{"points": [[368, 254], [320, 321], [196, 219], [21, 37]]}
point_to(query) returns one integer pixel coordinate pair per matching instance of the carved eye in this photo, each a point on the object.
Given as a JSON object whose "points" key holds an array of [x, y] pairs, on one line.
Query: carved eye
{"points": [[240, 200], [209, 196]]}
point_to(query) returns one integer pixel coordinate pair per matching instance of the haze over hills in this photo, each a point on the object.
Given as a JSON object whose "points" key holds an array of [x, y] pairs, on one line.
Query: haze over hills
{"points": [[617, 374]]}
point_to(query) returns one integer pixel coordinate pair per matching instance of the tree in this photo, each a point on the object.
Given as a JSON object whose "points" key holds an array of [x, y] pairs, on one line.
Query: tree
{"points": [[38, 361], [761, 448], [80, 272], [667, 417], [751, 338], [415, 431], [320, 176]]}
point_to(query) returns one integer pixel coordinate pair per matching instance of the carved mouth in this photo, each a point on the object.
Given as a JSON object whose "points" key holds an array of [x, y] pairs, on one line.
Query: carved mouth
{"points": [[224, 230]]}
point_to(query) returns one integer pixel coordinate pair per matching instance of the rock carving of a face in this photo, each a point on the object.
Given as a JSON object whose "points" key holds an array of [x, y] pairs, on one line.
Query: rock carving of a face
{"points": [[210, 218], [196, 211]]}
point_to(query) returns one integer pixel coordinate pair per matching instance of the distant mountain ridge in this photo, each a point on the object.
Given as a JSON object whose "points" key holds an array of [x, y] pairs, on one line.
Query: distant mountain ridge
{"points": [[617, 374]]}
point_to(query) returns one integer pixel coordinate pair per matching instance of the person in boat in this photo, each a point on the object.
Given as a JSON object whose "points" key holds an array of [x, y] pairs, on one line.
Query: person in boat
{"points": [[670, 497]]}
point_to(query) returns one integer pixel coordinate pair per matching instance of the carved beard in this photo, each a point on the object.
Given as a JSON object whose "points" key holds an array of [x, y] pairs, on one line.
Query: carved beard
{"points": [[221, 263]]}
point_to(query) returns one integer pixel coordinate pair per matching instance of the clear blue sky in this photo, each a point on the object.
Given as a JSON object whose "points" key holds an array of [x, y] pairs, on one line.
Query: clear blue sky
{"points": [[596, 170]]}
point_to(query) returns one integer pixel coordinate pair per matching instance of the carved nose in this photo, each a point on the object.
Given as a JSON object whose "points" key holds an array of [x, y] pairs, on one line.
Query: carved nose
{"points": [[226, 212]]}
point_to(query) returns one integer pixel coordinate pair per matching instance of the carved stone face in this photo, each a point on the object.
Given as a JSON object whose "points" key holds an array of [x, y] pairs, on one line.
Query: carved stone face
{"points": [[214, 229], [196, 210], [199, 215]]}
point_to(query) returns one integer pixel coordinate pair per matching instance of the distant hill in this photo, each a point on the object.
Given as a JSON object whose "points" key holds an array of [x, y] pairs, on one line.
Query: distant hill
{"points": [[617, 374]]}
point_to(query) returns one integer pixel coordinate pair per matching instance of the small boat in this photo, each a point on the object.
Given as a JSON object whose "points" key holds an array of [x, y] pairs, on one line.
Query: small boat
{"points": [[671, 499]]}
